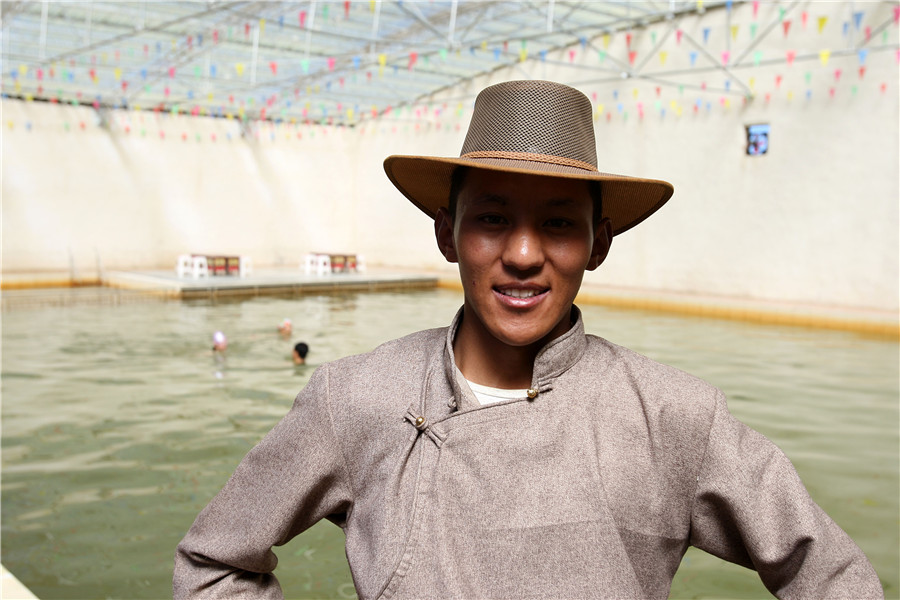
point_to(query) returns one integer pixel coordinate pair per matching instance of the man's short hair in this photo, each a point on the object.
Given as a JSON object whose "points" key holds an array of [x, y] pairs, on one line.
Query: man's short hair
{"points": [[301, 349], [459, 177]]}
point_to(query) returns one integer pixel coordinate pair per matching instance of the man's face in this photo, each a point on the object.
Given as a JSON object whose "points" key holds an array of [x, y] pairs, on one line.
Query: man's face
{"points": [[522, 243]]}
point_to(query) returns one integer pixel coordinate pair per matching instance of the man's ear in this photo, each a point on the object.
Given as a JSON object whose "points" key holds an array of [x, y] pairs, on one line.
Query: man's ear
{"points": [[443, 233], [602, 241]]}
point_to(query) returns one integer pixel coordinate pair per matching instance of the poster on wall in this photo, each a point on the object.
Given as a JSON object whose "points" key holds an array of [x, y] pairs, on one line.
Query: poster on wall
{"points": [[757, 139]]}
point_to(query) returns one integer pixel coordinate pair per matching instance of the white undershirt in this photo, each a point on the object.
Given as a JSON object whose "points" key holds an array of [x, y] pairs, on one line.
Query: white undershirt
{"points": [[490, 395]]}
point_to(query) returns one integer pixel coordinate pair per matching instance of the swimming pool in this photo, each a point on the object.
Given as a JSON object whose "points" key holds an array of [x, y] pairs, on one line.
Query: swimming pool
{"points": [[119, 425]]}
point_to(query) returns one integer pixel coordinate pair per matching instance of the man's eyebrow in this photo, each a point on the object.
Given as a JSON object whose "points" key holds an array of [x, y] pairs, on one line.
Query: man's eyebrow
{"points": [[490, 199], [563, 201]]}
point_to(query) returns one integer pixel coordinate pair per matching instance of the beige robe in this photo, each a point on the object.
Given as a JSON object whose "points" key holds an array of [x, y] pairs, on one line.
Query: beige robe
{"points": [[593, 489]]}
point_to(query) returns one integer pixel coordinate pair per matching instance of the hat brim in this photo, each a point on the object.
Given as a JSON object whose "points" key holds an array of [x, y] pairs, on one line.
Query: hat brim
{"points": [[425, 181]]}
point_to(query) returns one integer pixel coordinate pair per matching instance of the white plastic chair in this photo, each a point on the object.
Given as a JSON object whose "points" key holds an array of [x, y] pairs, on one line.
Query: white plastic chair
{"points": [[199, 267], [184, 266], [320, 264], [245, 266]]}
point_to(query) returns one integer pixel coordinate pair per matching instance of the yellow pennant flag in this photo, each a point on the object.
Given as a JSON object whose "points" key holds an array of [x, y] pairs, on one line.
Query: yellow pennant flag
{"points": [[23, 70], [523, 55], [752, 82], [600, 108], [822, 22], [635, 92], [118, 73], [239, 67], [734, 31], [371, 5], [262, 26], [606, 40], [824, 55], [663, 55]]}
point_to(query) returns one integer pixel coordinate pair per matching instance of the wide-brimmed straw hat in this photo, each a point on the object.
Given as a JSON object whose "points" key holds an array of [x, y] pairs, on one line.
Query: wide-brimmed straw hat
{"points": [[531, 127]]}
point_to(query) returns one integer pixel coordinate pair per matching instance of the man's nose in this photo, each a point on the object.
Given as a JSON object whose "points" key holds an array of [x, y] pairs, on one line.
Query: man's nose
{"points": [[523, 249]]}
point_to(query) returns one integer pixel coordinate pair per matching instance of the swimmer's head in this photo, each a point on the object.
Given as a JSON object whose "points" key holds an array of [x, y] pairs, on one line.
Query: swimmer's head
{"points": [[300, 351], [220, 342]]}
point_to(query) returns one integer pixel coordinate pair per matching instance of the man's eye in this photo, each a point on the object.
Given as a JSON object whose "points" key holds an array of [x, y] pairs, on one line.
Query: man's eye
{"points": [[558, 223], [492, 219]]}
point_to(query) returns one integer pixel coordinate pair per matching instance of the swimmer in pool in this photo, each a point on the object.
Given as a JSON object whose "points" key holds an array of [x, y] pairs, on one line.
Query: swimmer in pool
{"points": [[299, 353], [285, 328], [512, 454], [220, 342]]}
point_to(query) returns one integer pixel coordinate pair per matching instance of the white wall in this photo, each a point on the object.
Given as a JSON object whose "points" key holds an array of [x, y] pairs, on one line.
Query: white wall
{"points": [[815, 220]]}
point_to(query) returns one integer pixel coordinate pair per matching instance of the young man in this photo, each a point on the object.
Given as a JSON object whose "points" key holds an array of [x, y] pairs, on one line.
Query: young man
{"points": [[511, 455]]}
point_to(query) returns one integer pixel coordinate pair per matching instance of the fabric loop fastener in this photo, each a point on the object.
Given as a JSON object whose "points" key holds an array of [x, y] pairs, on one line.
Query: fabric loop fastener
{"points": [[421, 423]]}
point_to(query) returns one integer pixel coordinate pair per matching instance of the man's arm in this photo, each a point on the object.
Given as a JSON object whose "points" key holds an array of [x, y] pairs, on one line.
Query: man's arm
{"points": [[752, 509], [293, 478]]}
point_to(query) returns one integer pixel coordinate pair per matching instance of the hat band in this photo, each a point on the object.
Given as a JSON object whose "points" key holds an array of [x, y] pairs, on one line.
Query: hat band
{"points": [[544, 158]]}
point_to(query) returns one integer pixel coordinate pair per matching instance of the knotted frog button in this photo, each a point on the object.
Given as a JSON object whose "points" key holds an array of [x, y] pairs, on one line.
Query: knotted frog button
{"points": [[531, 393]]}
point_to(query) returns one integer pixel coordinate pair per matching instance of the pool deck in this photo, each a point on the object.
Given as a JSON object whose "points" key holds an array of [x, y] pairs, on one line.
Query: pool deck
{"points": [[265, 282], [22, 290], [119, 287]]}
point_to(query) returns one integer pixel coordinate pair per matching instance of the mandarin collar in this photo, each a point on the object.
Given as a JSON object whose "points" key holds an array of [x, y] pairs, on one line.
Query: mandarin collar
{"points": [[551, 361]]}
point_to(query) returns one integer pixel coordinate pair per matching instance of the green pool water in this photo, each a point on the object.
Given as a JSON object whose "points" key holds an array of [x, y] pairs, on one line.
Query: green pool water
{"points": [[118, 425]]}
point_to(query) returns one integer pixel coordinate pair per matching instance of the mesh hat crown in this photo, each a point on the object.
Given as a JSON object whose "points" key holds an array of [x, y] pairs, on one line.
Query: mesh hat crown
{"points": [[536, 128]]}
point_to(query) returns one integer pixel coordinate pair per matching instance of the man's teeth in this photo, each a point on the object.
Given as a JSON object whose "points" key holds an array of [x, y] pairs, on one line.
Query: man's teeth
{"points": [[520, 293]]}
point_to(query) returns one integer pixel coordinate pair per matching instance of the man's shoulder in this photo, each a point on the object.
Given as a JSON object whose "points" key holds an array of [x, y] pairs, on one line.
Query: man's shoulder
{"points": [[405, 347], [626, 367], [402, 358]]}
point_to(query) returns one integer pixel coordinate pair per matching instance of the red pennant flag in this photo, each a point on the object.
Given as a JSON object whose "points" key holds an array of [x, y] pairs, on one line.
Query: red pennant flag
{"points": [[171, 72], [791, 54], [246, 29], [631, 56], [778, 81], [412, 59], [786, 25], [862, 71], [803, 18], [628, 39], [837, 75], [274, 66], [302, 19], [678, 35], [346, 9]]}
